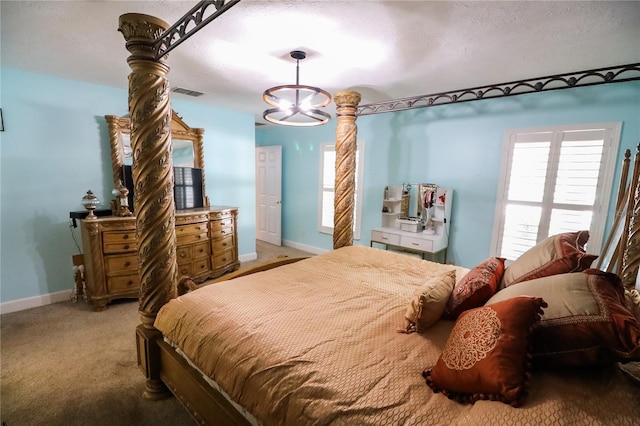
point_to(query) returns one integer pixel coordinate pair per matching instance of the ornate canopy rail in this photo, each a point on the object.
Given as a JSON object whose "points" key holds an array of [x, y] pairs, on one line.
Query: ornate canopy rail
{"points": [[592, 77], [182, 29]]}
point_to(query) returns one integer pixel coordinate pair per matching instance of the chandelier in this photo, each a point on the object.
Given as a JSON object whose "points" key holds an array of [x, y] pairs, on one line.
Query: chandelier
{"points": [[296, 104]]}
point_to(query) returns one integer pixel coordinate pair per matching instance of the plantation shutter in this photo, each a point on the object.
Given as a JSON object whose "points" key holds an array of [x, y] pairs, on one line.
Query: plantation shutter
{"points": [[555, 182], [328, 184], [327, 190]]}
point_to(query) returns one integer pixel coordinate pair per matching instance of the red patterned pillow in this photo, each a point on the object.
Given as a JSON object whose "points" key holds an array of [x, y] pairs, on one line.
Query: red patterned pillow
{"points": [[557, 254], [475, 288], [486, 355], [587, 321]]}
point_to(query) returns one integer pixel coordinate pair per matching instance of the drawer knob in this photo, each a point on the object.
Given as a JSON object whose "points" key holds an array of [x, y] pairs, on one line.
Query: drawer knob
{"points": [[126, 246], [130, 282], [127, 264], [183, 254], [125, 236], [415, 244], [224, 244], [201, 250]]}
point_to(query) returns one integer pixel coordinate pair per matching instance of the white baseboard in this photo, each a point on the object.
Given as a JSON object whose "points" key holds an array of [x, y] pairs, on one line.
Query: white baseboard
{"points": [[248, 257], [303, 247], [63, 296], [34, 302]]}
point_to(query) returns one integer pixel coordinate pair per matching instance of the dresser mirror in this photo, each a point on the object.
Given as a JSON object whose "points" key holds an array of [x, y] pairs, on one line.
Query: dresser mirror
{"points": [[187, 156]]}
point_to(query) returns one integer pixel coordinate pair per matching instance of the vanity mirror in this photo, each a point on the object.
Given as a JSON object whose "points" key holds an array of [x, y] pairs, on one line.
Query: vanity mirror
{"points": [[187, 156]]}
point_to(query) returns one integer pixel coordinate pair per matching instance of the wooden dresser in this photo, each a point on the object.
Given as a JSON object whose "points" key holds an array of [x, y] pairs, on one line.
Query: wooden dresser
{"points": [[206, 247]]}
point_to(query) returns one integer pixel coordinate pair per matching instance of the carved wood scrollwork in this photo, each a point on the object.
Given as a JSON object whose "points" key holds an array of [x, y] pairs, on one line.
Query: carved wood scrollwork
{"points": [[120, 129], [150, 115], [346, 146]]}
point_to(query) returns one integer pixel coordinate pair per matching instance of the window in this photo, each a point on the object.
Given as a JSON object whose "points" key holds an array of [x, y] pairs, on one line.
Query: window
{"points": [[327, 188], [554, 180]]}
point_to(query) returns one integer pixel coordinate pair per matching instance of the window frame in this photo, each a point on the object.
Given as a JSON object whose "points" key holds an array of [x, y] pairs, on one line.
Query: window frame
{"points": [[604, 190], [328, 147]]}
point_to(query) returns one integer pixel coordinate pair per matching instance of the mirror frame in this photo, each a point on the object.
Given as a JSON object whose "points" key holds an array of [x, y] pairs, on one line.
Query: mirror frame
{"points": [[119, 126]]}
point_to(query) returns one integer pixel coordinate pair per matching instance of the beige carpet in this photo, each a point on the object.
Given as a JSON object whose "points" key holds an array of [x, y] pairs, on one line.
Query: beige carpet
{"points": [[64, 364]]}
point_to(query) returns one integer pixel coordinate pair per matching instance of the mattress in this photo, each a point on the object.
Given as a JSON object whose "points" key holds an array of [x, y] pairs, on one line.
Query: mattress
{"points": [[317, 342]]}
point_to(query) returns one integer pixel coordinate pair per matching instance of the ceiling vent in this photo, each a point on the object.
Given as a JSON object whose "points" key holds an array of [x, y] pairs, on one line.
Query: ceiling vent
{"points": [[187, 92]]}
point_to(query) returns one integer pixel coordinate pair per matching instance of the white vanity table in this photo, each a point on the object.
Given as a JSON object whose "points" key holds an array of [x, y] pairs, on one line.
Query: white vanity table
{"points": [[412, 241], [399, 233]]}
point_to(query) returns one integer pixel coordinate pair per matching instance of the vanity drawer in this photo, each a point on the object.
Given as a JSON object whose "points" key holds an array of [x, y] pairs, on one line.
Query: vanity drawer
{"points": [[123, 283], [222, 245], [196, 228], [118, 242], [417, 243], [385, 237], [192, 238], [223, 259], [120, 264]]}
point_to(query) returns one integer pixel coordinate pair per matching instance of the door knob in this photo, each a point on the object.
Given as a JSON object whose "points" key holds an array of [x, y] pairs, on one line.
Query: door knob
{"points": [[278, 202]]}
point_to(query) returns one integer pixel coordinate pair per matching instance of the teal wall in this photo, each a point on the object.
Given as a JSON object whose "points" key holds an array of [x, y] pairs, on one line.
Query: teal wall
{"points": [[56, 147], [457, 146]]}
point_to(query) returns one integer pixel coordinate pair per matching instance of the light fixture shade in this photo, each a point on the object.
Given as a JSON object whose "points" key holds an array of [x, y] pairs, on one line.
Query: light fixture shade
{"points": [[296, 104]]}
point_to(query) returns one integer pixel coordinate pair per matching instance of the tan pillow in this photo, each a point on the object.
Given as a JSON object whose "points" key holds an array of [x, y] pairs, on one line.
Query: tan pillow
{"points": [[586, 322], [557, 254], [633, 302], [428, 302]]}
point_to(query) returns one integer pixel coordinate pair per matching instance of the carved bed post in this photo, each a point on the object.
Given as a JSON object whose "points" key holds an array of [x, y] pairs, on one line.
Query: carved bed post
{"points": [[150, 115], [631, 258], [346, 146]]}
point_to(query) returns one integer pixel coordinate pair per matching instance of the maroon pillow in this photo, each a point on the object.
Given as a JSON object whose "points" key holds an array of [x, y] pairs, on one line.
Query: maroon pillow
{"points": [[486, 355], [587, 321], [557, 254], [475, 288]]}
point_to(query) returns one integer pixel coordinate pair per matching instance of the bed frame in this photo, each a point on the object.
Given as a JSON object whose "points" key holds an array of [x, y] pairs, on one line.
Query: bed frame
{"points": [[166, 371]]}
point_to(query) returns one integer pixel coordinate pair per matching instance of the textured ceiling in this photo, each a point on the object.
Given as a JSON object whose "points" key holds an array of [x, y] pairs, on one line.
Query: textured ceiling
{"points": [[384, 49]]}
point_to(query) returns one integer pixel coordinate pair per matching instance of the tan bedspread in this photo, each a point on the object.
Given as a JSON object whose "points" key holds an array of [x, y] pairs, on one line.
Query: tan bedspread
{"points": [[315, 342]]}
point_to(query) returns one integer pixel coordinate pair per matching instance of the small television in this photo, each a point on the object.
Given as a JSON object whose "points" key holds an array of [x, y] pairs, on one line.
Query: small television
{"points": [[187, 187]]}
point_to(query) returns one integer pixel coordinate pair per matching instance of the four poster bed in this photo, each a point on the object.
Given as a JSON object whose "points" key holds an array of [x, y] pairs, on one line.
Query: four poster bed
{"points": [[365, 336]]}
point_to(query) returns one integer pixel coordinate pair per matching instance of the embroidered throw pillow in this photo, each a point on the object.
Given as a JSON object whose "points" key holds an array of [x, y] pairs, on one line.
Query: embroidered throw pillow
{"points": [[428, 302], [475, 288], [486, 354], [557, 254], [587, 321], [633, 302]]}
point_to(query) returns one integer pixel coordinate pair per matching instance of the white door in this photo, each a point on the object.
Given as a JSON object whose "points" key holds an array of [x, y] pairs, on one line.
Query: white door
{"points": [[269, 194]]}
